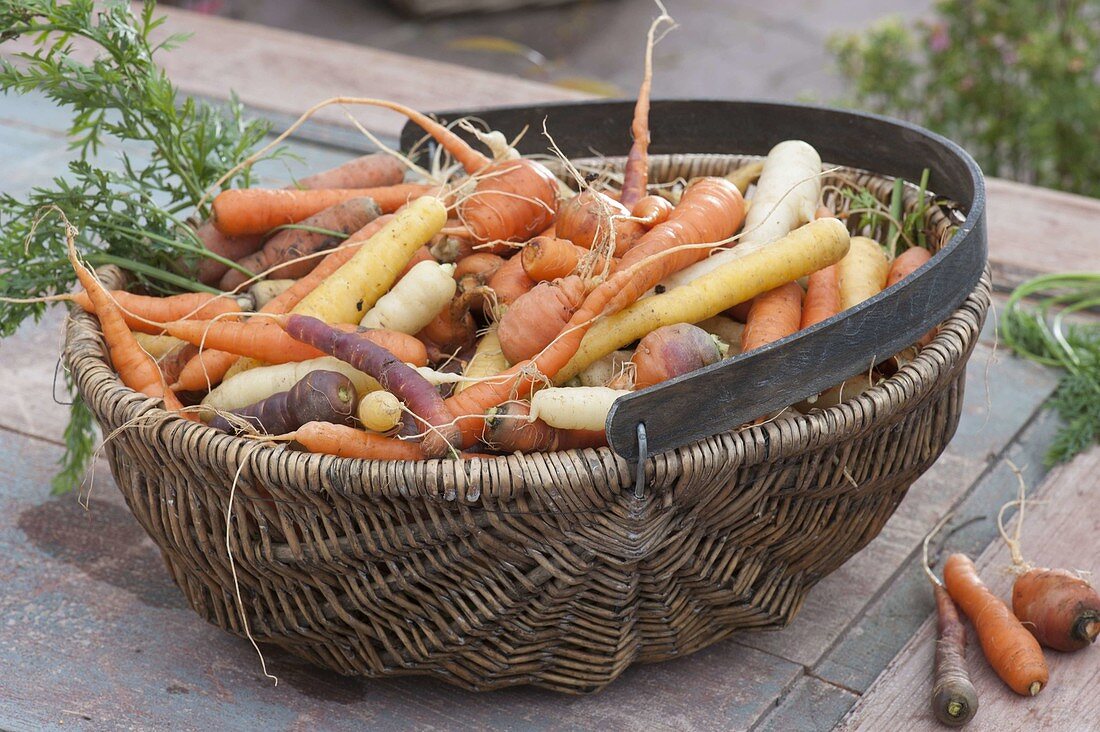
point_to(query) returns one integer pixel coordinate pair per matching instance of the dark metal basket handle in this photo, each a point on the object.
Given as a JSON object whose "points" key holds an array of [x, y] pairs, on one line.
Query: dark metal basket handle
{"points": [[732, 392]]}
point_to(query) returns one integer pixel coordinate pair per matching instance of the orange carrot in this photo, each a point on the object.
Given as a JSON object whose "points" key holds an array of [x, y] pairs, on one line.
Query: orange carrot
{"points": [[231, 247], [210, 365], [740, 312], [510, 282], [261, 339], [774, 314], [1011, 650], [507, 429], [670, 351], [136, 310], [366, 171], [423, 254], [822, 296], [454, 328], [547, 258], [1060, 608], [173, 362], [481, 266], [345, 217], [636, 168], [536, 318], [906, 263], [259, 210], [594, 220], [258, 338], [136, 368], [710, 210], [513, 199], [349, 442]]}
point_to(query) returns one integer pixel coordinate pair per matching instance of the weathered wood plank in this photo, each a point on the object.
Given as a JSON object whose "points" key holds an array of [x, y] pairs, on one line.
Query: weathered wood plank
{"points": [[1059, 531], [811, 705], [1035, 231], [890, 619], [288, 72], [1016, 390]]}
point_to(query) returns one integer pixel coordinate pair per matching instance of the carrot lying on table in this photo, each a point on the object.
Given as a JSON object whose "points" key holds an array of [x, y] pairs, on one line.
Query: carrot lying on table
{"points": [[1011, 650]]}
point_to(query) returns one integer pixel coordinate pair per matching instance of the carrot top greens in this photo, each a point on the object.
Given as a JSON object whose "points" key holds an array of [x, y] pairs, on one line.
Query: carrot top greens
{"points": [[130, 207], [1042, 335]]}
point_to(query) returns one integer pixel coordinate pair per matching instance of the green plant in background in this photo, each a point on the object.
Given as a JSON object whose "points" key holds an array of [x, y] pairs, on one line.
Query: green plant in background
{"points": [[1016, 82]]}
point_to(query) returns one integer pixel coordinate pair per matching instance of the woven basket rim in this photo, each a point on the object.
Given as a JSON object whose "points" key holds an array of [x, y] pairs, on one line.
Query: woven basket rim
{"points": [[790, 433]]}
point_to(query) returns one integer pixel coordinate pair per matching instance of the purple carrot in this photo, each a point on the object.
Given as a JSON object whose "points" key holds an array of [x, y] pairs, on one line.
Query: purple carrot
{"points": [[319, 396], [395, 376]]}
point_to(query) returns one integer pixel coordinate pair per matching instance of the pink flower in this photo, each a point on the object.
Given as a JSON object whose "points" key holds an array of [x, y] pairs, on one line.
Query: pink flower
{"points": [[966, 83], [939, 41]]}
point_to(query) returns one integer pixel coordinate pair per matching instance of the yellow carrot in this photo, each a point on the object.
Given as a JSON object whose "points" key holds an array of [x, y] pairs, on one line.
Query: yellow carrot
{"points": [[488, 360], [806, 249], [349, 292], [862, 272]]}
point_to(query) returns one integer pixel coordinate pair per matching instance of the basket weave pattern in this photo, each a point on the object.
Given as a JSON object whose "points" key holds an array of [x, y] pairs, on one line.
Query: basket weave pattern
{"points": [[536, 569]]}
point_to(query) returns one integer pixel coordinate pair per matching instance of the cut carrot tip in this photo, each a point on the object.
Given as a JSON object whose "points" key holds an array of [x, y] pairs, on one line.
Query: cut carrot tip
{"points": [[1035, 688]]}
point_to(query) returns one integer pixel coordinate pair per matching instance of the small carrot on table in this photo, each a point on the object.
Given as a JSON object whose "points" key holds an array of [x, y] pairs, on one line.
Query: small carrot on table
{"points": [[1011, 650], [1059, 607], [954, 700]]}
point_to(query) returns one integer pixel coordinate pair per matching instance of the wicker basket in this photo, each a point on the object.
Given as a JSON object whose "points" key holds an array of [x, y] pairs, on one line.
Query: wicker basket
{"points": [[540, 569]]}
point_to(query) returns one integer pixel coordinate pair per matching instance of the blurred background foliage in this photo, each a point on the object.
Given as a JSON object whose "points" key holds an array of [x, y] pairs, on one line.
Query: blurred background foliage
{"points": [[1016, 82]]}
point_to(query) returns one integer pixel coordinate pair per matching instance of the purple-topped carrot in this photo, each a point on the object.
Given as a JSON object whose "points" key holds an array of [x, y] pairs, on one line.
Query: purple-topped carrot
{"points": [[319, 396], [395, 376]]}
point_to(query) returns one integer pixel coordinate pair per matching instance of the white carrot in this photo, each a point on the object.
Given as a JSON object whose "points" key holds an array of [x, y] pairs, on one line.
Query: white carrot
{"points": [[786, 197], [415, 300], [574, 408]]}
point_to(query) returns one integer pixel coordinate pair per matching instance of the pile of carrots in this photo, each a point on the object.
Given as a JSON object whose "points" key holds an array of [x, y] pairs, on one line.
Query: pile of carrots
{"points": [[1052, 608], [499, 313]]}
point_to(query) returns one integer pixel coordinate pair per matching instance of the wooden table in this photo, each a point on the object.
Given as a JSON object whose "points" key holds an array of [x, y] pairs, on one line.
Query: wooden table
{"points": [[95, 636]]}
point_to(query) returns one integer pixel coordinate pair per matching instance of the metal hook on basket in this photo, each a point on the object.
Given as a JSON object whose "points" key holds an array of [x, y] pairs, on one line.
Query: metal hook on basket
{"points": [[639, 470]]}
